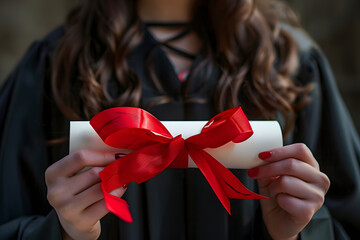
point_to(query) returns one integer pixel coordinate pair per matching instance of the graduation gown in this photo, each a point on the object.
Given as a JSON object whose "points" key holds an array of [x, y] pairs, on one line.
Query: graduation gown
{"points": [[177, 203]]}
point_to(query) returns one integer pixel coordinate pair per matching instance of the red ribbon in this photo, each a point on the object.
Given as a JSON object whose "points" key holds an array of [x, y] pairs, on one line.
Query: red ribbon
{"points": [[156, 149]]}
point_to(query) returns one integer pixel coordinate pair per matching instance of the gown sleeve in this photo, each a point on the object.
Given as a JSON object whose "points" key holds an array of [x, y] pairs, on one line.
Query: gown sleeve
{"points": [[326, 128], [24, 210]]}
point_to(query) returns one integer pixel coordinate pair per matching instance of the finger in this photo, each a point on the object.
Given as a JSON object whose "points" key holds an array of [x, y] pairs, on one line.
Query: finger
{"points": [[66, 188], [297, 207], [290, 167], [81, 203], [94, 194], [96, 211], [84, 180], [74, 162], [74, 207], [119, 192], [298, 151], [87, 198], [297, 188]]}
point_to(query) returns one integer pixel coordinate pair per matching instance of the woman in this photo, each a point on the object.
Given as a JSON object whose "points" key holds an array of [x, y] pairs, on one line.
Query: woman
{"points": [[179, 60]]}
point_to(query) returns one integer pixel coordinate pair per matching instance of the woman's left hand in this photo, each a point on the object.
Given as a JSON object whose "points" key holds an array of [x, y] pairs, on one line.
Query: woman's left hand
{"points": [[295, 186]]}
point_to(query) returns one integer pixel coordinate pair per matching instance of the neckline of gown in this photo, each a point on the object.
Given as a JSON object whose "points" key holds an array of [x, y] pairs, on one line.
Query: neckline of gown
{"points": [[149, 43], [195, 84]]}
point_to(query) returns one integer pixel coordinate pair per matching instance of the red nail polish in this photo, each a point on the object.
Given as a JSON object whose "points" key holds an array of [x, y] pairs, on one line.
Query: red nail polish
{"points": [[253, 172], [125, 186], [119, 155], [264, 155]]}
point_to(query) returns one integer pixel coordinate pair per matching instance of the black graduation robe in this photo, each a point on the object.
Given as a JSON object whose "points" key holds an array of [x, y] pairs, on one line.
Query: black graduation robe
{"points": [[176, 204]]}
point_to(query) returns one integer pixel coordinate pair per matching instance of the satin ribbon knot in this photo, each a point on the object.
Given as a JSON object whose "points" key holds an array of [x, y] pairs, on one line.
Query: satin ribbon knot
{"points": [[155, 149]]}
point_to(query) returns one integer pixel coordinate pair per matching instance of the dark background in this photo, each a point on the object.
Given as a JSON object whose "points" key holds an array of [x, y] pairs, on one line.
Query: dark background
{"points": [[334, 25]]}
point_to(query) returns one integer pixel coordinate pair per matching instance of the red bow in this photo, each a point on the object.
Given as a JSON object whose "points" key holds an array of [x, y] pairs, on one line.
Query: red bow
{"points": [[156, 149]]}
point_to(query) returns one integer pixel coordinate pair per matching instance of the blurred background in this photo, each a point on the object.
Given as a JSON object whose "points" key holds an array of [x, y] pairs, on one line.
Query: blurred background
{"points": [[334, 25]]}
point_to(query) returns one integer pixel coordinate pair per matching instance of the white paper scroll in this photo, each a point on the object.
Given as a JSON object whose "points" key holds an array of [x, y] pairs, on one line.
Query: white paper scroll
{"points": [[267, 135]]}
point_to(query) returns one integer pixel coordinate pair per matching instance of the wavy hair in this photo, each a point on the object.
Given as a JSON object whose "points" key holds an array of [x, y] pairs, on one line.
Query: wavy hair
{"points": [[243, 38]]}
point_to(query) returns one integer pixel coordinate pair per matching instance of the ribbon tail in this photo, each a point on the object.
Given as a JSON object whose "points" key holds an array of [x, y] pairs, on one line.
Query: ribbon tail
{"points": [[117, 206], [231, 184], [222, 181], [205, 168]]}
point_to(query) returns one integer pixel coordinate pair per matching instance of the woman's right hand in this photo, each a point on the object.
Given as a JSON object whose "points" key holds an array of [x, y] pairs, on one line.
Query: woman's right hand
{"points": [[77, 196]]}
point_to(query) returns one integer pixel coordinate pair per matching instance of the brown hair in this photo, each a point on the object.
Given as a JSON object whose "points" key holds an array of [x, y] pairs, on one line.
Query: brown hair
{"points": [[242, 37]]}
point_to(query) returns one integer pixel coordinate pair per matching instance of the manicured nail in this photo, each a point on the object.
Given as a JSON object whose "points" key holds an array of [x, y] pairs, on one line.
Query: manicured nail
{"points": [[253, 172], [265, 155], [125, 186], [119, 155]]}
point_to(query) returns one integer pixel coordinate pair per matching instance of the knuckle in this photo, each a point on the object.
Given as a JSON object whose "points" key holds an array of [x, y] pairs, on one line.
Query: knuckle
{"points": [[48, 175], [284, 182], [67, 212], [83, 225], [309, 210], [53, 197], [94, 172], [320, 198], [291, 165], [325, 181], [317, 166], [301, 148], [317, 199], [81, 156], [51, 176], [57, 195], [278, 188], [308, 214]]}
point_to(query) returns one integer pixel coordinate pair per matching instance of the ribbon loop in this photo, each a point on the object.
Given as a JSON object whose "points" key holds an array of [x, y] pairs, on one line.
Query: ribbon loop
{"points": [[155, 149], [230, 125]]}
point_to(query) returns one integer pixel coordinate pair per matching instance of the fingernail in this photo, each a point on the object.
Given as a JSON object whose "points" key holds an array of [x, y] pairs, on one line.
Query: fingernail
{"points": [[253, 172], [125, 186], [119, 155], [265, 155]]}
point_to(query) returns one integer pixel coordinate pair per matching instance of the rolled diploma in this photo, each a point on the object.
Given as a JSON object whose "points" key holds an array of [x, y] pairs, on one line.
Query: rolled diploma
{"points": [[244, 155]]}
